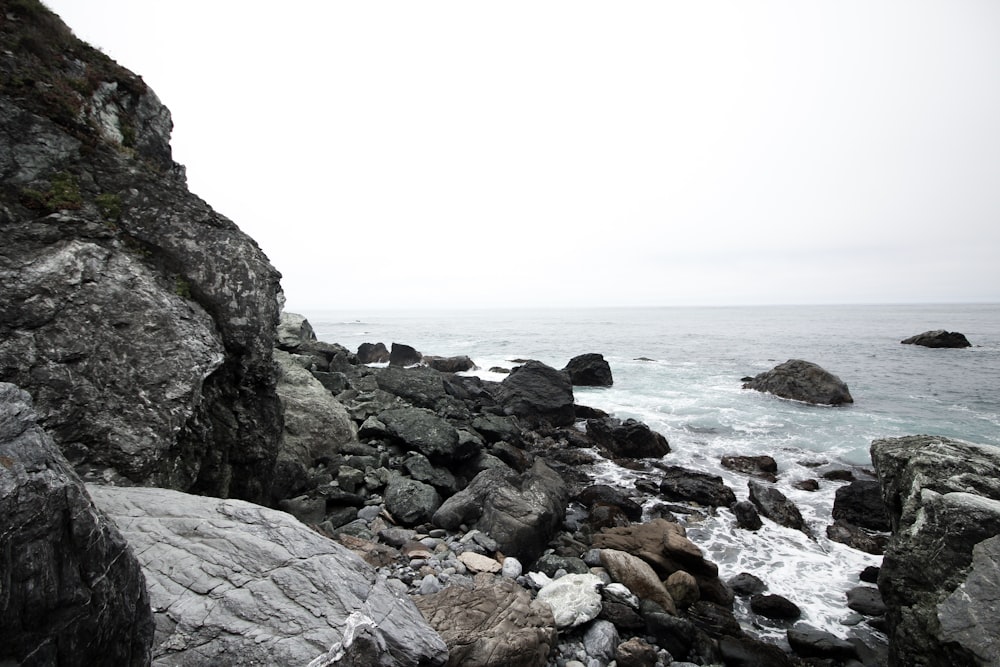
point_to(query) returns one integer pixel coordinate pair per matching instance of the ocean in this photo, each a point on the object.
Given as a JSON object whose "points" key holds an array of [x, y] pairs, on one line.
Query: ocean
{"points": [[679, 370]]}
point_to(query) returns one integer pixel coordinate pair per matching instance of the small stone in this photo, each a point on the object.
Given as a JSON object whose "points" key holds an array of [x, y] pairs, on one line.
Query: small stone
{"points": [[574, 599], [478, 562], [511, 567], [429, 585]]}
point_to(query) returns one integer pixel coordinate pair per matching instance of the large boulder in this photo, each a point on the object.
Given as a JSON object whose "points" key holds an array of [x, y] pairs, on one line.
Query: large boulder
{"points": [[773, 504], [939, 575], [539, 394], [373, 353], [589, 370], [422, 430], [802, 381], [72, 592], [141, 321], [938, 338], [680, 483], [521, 512], [494, 624], [236, 583], [630, 438], [403, 355], [860, 503]]}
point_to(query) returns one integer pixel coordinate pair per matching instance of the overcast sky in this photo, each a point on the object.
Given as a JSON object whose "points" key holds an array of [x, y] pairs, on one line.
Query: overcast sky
{"points": [[411, 154]]}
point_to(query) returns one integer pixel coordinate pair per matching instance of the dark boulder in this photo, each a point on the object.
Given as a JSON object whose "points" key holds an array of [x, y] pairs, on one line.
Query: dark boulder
{"points": [[802, 381], [747, 516], [411, 502], [420, 386], [746, 584], [589, 370], [609, 495], [750, 652], [775, 606], [866, 600], [759, 466], [943, 499], [773, 504], [424, 431], [629, 439], [73, 592], [684, 484], [813, 643], [373, 353], [458, 364], [403, 355], [537, 393], [860, 503], [857, 537], [938, 338]]}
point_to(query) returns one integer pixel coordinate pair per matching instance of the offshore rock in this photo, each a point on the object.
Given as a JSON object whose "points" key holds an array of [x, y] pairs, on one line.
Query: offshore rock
{"points": [[860, 503], [802, 381], [236, 583], [938, 576], [373, 353], [403, 355], [938, 338], [539, 394], [72, 592], [589, 370], [494, 624], [630, 438], [141, 321]]}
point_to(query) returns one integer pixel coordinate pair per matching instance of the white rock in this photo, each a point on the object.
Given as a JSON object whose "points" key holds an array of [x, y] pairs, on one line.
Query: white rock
{"points": [[511, 567], [574, 599]]}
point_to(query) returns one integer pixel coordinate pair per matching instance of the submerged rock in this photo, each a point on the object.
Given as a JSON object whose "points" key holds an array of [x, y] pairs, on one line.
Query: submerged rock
{"points": [[773, 504], [802, 381], [231, 582], [938, 338]]}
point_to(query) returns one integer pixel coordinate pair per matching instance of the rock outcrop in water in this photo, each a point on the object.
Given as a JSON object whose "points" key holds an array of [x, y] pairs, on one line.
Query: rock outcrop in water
{"points": [[939, 577], [938, 338], [802, 381], [140, 320], [71, 592]]}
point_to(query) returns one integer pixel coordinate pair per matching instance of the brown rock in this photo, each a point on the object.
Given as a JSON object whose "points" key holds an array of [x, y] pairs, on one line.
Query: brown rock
{"points": [[637, 575], [683, 588]]}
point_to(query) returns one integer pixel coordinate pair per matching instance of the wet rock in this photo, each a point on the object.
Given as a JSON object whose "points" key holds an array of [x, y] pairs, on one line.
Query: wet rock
{"points": [[860, 503], [802, 381], [713, 619], [539, 394], [609, 495], [938, 338], [636, 575], [574, 599], [373, 353], [684, 484], [458, 364], [749, 652], [73, 592], [747, 516], [411, 502], [812, 643], [773, 504], [856, 538], [659, 542], [589, 370], [635, 652], [806, 485], [494, 624], [628, 439], [403, 355], [683, 588], [775, 606], [745, 584], [866, 600], [760, 466], [235, 582]]}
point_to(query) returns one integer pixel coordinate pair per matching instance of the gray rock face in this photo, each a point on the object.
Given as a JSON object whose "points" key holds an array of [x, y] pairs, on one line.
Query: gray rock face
{"points": [[495, 624], [589, 370], [141, 321], [802, 381], [236, 583], [539, 394], [521, 512], [72, 591], [938, 338], [943, 498]]}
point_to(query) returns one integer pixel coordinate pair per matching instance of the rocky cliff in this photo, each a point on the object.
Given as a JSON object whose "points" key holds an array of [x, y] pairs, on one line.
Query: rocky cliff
{"points": [[140, 320]]}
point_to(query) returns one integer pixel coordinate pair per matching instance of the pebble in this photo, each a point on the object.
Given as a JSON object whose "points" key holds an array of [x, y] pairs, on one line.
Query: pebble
{"points": [[511, 567]]}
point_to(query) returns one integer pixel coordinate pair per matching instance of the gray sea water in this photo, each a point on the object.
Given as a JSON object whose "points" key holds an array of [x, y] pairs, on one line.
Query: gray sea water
{"points": [[679, 370]]}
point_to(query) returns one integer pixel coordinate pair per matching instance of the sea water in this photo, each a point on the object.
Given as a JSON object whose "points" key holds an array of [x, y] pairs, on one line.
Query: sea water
{"points": [[679, 370]]}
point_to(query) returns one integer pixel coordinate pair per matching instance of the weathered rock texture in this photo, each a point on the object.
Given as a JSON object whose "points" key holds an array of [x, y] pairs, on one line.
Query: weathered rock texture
{"points": [[802, 381], [538, 393], [938, 338], [71, 592], [940, 572], [141, 321], [235, 583]]}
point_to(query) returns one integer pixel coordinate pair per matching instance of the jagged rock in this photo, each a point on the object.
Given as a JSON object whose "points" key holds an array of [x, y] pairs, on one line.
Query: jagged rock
{"points": [[856, 537], [589, 370], [773, 504], [315, 426], [747, 516], [746, 584], [943, 499], [293, 330], [478, 562], [938, 338], [420, 468], [424, 431], [609, 495], [637, 575], [802, 381], [759, 466], [520, 511], [866, 600], [117, 283], [683, 588], [970, 615], [629, 438], [574, 599], [685, 484], [494, 624], [661, 543], [373, 353], [411, 502], [72, 591], [236, 583], [403, 355], [600, 641], [537, 393], [450, 364], [714, 619], [860, 503], [812, 643], [421, 386], [775, 606]]}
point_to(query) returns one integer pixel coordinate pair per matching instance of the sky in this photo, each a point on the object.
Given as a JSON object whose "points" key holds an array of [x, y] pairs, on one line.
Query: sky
{"points": [[544, 154]]}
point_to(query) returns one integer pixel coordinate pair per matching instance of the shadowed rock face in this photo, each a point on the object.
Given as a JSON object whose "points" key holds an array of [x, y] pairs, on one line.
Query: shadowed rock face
{"points": [[236, 583], [140, 320], [72, 592], [802, 381], [938, 576]]}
